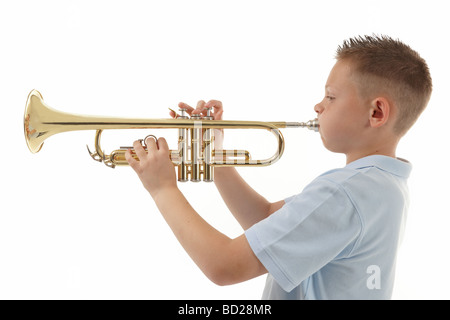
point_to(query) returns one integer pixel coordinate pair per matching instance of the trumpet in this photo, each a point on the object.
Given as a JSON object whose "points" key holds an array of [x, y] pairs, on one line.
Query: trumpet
{"points": [[195, 157]]}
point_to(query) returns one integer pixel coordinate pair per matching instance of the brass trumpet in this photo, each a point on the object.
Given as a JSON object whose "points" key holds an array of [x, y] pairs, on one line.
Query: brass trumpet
{"points": [[195, 157]]}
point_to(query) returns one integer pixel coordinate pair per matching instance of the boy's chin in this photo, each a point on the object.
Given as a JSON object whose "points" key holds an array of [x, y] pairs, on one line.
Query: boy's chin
{"points": [[333, 147]]}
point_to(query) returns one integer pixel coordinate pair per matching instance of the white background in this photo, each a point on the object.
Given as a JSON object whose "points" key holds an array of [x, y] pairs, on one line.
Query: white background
{"points": [[72, 228]]}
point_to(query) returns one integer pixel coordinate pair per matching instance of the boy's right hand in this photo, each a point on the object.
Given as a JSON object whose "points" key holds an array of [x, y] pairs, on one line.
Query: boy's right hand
{"points": [[217, 112], [215, 105]]}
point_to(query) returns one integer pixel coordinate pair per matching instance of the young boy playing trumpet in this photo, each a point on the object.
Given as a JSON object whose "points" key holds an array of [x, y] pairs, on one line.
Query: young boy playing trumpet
{"points": [[338, 238]]}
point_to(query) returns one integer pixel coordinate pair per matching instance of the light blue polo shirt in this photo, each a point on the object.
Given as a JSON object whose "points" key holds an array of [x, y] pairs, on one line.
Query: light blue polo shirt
{"points": [[338, 238]]}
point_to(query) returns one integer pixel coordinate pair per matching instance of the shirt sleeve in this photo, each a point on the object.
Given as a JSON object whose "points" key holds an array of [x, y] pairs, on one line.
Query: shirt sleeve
{"points": [[311, 229]]}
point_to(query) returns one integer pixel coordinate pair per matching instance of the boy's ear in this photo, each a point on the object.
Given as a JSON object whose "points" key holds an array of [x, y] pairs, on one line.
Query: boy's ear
{"points": [[379, 112]]}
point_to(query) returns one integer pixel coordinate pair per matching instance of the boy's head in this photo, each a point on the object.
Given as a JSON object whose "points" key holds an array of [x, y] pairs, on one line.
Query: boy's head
{"points": [[377, 83], [384, 66]]}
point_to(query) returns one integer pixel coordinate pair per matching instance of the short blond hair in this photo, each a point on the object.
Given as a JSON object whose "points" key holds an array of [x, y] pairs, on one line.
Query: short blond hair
{"points": [[385, 65]]}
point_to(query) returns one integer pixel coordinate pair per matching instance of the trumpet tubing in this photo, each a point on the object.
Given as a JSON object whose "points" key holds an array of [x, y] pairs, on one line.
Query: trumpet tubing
{"points": [[195, 156]]}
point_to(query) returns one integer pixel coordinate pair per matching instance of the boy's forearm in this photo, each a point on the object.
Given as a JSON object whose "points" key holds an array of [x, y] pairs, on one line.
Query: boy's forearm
{"points": [[223, 260], [204, 244], [247, 206]]}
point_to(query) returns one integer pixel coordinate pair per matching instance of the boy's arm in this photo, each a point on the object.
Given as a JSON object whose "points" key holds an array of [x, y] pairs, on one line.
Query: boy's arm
{"points": [[247, 206], [223, 260]]}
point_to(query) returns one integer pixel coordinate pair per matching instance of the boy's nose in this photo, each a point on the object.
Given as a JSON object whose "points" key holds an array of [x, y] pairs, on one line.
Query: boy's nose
{"points": [[318, 108]]}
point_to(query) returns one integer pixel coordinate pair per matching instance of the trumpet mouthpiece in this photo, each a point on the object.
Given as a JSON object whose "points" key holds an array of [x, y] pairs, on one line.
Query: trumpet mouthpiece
{"points": [[311, 125]]}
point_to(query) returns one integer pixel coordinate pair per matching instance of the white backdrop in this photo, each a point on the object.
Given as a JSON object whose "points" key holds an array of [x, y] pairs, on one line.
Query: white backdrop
{"points": [[72, 228]]}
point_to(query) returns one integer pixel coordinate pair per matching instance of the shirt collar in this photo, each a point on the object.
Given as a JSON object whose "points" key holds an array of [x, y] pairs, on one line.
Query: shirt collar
{"points": [[396, 166]]}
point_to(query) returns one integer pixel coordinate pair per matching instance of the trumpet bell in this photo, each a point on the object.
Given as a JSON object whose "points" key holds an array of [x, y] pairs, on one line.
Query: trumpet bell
{"points": [[34, 135], [41, 121]]}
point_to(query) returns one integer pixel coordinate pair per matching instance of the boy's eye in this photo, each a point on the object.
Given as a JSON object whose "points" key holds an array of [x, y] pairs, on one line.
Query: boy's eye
{"points": [[330, 97]]}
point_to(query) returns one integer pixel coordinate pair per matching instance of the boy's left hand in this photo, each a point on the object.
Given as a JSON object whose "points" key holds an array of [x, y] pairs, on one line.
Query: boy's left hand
{"points": [[154, 168]]}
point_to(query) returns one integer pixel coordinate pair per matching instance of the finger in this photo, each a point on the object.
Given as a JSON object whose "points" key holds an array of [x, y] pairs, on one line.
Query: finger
{"points": [[217, 107], [200, 108], [173, 114], [188, 108], [162, 145], [131, 161], [140, 152], [151, 144]]}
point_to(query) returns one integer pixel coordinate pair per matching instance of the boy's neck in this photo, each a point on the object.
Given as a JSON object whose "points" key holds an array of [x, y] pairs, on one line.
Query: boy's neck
{"points": [[383, 145], [389, 151]]}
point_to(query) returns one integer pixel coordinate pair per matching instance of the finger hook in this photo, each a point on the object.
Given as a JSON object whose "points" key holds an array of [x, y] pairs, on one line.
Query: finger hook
{"points": [[149, 136], [95, 155]]}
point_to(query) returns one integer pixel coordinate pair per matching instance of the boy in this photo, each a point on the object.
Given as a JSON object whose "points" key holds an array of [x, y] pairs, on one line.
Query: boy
{"points": [[338, 238]]}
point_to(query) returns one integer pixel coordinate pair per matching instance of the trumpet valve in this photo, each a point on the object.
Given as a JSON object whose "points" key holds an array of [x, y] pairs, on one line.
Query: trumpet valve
{"points": [[183, 113]]}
